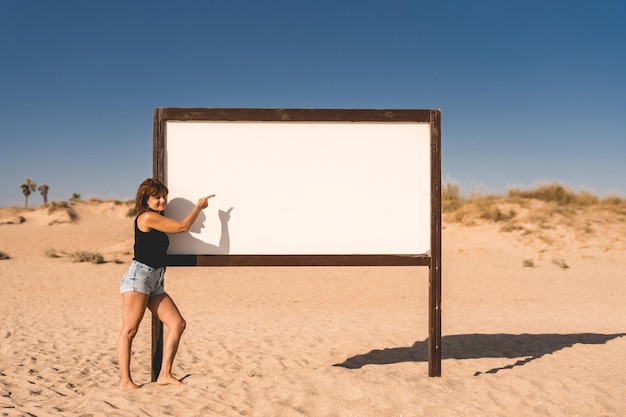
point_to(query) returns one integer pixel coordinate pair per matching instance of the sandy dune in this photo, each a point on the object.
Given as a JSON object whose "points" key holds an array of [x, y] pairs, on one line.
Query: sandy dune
{"points": [[529, 328]]}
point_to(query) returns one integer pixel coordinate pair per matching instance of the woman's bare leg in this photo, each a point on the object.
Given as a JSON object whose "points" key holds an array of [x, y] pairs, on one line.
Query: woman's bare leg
{"points": [[133, 309], [164, 308]]}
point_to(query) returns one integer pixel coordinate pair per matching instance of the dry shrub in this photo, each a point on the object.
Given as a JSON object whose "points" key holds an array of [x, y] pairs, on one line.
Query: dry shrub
{"points": [[550, 193], [51, 253], [478, 208], [615, 207], [4, 255], [510, 227], [56, 206], [12, 220], [450, 191], [61, 206], [83, 256], [450, 197], [560, 263], [545, 239], [613, 200], [495, 214], [584, 198], [555, 193]]}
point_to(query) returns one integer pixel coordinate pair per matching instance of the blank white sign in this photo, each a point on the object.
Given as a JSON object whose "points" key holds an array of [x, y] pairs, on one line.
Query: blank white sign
{"points": [[303, 188]]}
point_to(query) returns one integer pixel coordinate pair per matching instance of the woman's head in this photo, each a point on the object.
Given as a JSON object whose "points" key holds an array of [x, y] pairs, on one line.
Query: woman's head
{"points": [[149, 188]]}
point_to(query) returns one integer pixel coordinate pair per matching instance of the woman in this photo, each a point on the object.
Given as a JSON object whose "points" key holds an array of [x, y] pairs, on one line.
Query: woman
{"points": [[142, 285]]}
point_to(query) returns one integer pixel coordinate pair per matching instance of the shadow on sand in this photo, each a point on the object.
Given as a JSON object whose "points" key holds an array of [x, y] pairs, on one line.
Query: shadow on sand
{"points": [[477, 346]]}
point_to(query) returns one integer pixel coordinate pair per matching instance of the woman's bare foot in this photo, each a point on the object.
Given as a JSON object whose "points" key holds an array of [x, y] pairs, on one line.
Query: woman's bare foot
{"points": [[168, 380], [128, 385]]}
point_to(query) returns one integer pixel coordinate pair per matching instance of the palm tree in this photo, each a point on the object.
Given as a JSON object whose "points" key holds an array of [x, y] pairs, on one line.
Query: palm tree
{"points": [[43, 189], [27, 187]]}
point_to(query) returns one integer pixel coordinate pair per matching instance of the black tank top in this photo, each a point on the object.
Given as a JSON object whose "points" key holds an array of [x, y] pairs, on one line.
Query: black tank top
{"points": [[150, 247]]}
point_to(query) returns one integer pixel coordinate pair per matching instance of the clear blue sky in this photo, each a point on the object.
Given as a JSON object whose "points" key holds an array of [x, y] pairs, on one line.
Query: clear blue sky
{"points": [[530, 91]]}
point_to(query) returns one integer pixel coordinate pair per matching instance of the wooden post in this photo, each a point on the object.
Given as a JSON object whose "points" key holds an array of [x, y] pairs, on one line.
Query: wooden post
{"points": [[158, 172], [434, 276], [157, 347]]}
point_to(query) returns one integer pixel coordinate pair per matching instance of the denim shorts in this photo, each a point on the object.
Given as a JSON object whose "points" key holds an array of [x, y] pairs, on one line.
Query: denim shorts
{"points": [[143, 278]]}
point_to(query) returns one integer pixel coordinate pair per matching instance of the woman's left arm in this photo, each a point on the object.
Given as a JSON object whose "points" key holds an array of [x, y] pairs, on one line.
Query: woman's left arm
{"points": [[167, 225]]}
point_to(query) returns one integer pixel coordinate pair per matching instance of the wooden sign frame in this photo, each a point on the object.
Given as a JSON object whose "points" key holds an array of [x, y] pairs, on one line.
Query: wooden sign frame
{"points": [[431, 259]]}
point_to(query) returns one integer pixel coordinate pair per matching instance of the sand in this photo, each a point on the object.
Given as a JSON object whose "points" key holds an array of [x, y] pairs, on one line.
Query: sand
{"points": [[529, 328]]}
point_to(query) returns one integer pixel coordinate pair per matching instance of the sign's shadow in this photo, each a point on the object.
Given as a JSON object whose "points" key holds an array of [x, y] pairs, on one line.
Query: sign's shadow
{"points": [[527, 347]]}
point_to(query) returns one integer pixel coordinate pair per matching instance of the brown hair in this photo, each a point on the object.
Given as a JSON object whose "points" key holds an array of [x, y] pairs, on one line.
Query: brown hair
{"points": [[148, 188]]}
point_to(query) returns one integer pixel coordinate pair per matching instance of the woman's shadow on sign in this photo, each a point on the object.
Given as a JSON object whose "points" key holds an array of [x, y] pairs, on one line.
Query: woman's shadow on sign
{"points": [[178, 208]]}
